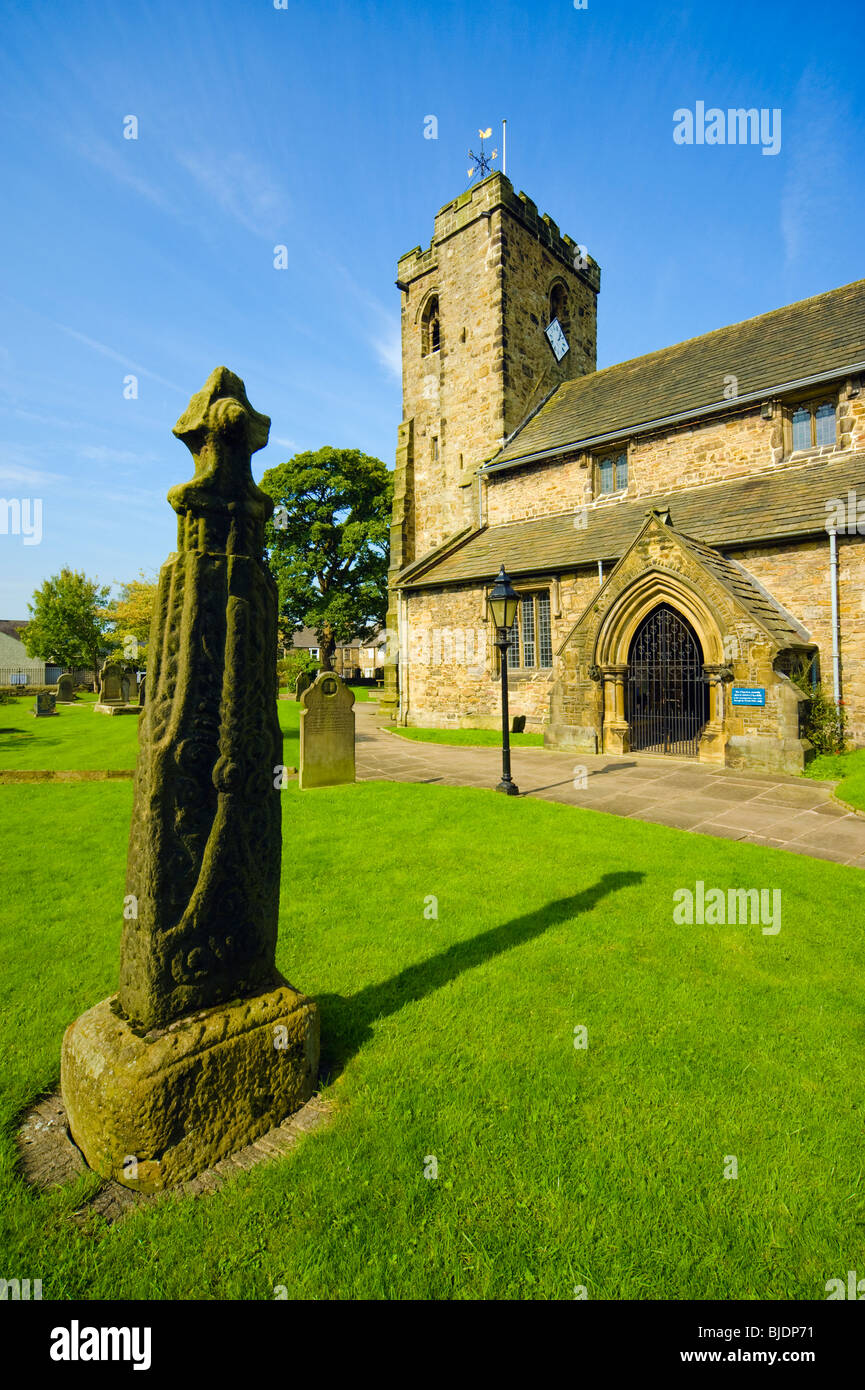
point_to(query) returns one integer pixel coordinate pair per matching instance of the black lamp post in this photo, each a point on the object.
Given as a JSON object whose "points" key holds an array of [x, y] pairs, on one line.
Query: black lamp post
{"points": [[503, 602]]}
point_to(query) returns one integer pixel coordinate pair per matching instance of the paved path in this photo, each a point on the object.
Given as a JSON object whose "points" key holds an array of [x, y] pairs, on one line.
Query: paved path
{"points": [[757, 808]]}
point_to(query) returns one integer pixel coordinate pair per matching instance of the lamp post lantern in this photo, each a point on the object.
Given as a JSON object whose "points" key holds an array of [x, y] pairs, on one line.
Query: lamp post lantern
{"points": [[503, 602]]}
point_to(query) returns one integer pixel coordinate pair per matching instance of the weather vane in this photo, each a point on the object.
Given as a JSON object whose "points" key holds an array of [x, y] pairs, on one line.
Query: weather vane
{"points": [[482, 162]]}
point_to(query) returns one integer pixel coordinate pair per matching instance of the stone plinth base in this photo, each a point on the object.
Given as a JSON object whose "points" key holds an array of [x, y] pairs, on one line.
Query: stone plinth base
{"points": [[153, 1110], [117, 709]]}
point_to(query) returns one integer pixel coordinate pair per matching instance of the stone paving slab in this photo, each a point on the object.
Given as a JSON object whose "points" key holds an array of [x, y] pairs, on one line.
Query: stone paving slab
{"points": [[757, 808]]}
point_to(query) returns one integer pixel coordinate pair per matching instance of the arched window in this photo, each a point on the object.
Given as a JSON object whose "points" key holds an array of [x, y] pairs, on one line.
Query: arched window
{"points": [[431, 327], [559, 305]]}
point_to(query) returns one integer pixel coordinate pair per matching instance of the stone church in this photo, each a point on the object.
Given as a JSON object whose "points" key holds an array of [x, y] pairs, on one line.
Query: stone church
{"points": [[685, 529]]}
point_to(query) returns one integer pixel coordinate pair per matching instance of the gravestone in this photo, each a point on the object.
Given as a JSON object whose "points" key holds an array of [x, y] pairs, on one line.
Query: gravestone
{"points": [[66, 689], [326, 733], [118, 683], [45, 705], [112, 690], [205, 1046], [142, 688], [518, 724], [303, 682]]}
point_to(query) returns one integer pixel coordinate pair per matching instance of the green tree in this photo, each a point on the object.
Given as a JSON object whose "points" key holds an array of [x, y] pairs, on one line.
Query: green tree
{"points": [[327, 543], [67, 624], [131, 615]]}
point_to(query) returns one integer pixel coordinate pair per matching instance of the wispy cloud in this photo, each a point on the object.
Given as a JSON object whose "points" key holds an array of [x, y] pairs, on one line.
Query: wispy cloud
{"points": [[30, 477], [388, 349], [242, 188], [115, 159], [106, 351]]}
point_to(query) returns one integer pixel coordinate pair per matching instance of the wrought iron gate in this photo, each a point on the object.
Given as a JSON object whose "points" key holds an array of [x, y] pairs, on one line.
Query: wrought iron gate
{"points": [[668, 699]]}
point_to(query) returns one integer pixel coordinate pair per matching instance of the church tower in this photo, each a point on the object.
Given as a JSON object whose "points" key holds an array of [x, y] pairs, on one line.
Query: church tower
{"points": [[475, 357]]}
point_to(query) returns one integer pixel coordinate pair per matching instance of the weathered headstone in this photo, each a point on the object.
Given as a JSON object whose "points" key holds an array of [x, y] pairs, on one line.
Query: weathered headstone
{"points": [[118, 684], [303, 682], [142, 689], [45, 705], [112, 691], [205, 1047], [66, 689], [326, 733]]}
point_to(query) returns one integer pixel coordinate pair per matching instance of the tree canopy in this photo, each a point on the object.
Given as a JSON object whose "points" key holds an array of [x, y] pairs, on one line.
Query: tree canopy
{"points": [[327, 543], [68, 623], [131, 615]]}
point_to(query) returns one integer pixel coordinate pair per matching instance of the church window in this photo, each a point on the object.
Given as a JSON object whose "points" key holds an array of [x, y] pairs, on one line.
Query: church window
{"points": [[559, 305], [802, 428], [812, 425], [824, 424], [612, 472], [531, 646], [431, 327]]}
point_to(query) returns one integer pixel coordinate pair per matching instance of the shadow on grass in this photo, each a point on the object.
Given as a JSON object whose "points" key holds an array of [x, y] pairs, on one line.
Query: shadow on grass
{"points": [[346, 1022]]}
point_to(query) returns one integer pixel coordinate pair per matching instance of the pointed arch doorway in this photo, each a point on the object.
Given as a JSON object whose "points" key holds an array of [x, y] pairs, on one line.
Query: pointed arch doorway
{"points": [[667, 695]]}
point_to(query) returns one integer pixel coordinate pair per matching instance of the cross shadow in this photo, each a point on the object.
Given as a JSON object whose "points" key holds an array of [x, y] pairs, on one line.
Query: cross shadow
{"points": [[347, 1021]]}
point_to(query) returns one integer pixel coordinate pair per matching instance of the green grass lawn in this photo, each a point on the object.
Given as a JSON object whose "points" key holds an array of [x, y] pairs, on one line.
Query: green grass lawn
{"points": [[79, 738], [849, 769], [475, 738], [451, 1035]]}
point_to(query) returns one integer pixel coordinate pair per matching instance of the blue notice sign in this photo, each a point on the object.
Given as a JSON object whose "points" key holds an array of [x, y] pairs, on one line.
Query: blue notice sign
{"points": [[748, 695]]}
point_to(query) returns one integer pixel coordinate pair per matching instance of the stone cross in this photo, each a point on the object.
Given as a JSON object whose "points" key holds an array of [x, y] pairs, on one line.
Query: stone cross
{"points": [[206, 1046], [326, 733]]}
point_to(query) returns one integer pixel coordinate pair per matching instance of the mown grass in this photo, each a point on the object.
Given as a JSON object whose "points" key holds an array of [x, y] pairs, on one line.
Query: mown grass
{"points": [[468, 738], [80, 738], [848, 769], [454, 939]]}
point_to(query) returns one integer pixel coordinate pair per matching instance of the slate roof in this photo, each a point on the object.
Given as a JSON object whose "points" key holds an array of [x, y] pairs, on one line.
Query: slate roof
{"points": [[822, 335], [786, 503], [11, 626], [14, 653], [756, 600]]}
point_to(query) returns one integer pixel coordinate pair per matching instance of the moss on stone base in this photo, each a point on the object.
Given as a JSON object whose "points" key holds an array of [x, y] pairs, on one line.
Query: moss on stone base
{"points": [[155, 1109]]}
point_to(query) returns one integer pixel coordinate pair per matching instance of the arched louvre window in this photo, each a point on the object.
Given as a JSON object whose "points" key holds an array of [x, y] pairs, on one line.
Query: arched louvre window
{"points": [[559, 305], [431, 327]]}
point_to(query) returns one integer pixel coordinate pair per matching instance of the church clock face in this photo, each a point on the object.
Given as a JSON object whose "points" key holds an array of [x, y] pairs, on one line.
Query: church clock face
{"points": [[556, 338]]}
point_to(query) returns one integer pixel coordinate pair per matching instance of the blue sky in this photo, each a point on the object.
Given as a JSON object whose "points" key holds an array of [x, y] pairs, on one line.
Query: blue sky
{"points": [[304, 127]]}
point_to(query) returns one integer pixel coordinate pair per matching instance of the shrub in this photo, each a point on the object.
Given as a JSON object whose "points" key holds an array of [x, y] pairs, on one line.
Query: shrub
{"points": [[822, 722], [289, 667]]}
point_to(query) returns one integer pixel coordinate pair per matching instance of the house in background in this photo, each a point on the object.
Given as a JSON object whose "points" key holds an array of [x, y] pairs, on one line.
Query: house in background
{"points": [[16, 667], [361, 659]]}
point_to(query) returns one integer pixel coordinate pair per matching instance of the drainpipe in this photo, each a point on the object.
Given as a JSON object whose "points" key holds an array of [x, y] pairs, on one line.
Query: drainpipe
{"points": [[600, 574], [833, 581], [402, 629]]}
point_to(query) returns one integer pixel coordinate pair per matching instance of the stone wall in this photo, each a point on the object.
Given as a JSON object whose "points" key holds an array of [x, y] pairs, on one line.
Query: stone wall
{"points": [[688, 456], [492, 263], [798, 577]]}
